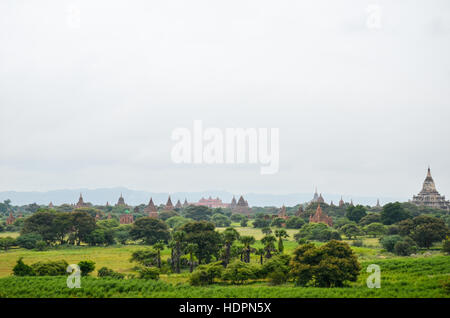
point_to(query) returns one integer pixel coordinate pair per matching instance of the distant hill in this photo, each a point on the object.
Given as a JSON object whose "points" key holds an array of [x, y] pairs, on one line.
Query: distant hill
{"points": [[135, 197]]}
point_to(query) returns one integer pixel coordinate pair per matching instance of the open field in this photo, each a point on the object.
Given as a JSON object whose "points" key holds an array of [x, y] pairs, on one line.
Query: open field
{"points": [[414, 276], [401, 277]]}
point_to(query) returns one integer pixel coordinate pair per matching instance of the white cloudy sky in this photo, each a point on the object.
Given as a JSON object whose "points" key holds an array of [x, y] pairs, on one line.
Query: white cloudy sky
{"points": [[90, 92]]}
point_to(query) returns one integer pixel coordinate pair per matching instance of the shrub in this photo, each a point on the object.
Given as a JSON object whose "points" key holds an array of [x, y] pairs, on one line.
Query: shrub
{"points": [[41, 246], [375, 229], [294, 222], [405, 247], [51, 268], [388, 242], [149, 273], [239, 272], [28, 240], [277, 277], [244, 222], [21, 269], [316, 231], [358, 243], [205, 274], [86, 267], [107, 272], [220, 220]]}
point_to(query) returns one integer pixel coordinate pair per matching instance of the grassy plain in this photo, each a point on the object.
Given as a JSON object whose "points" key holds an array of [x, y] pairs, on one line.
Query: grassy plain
{"points": [[415, 276]]}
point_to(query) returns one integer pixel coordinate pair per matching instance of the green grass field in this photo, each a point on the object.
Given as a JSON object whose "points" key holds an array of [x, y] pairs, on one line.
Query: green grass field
{"points": [[415, 276]]}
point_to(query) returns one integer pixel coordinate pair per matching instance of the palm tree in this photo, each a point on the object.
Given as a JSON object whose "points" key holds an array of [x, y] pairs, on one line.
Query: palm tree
{"points": [[266, 230], [281, 234], [269, 244], [260, 252], [191, 248], [229, 236], [247, 241], [178, 239], [159, 246]]}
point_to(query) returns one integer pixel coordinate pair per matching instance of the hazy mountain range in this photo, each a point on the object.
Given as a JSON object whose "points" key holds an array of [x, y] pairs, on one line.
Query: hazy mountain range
{"points": [[136, 197]]}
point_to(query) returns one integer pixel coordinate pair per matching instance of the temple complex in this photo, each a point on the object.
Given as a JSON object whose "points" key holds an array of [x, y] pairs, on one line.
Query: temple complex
{"points": [[11, 219], [282, 214], [185, 204], [320, 217], [126, 218], [300, 212], [341, 203], [212, 203], [50, 205], [169, 205], [378, 204], [178, 205], [81, 203], [429, 196], [121, 201], [233, 203], [315, 197], [241, 207], [151, 209]]}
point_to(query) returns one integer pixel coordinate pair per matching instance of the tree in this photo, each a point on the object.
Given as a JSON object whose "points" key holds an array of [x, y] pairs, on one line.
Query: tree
{"points": [[260, 252], [198, 213], [21, 269], [6, 242], [356, 213], [207, 239], [244, 222], [351, 230], [229, 236], [158, 246], [446, 246], [83, 224], [424, 230], [247, 241], [236, 217], [295, 222], [150, 230], [220, 220], [388, 242], [316, 231], [175, 222], [62, 225], [178, 244], [149, 273], [375, 229], [122, 234], [239, 272], [277, 269], [370, 218], [393, 213], [330, 265], [281, 234], [86, 267], [278, 222], [165, 215], [261, 222], [146, 257], [205, 274], [191, 248], [269, 245], [405, 247], [266, 230], [41, 223], [29, 240]]}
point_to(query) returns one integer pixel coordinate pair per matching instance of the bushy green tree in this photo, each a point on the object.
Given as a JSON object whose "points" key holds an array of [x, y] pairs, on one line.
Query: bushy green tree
{"points": [[198, 213], [107, 272], [375, 229], [356, 213], [330, 265], [29, 240], [150, 230], [351, 230], [207, 239], [405, 247], [86, 267], [393, 213], [424, 230], [239, 272], [316, 231], [21, 269], [295, 222], [148, 273], [50, 268], [7, 242], [205, 274], [220, 220], [388, 242]]}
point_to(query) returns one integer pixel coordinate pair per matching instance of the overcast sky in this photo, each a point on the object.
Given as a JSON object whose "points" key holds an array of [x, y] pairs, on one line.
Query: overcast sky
{"points": [[90, 92]]}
